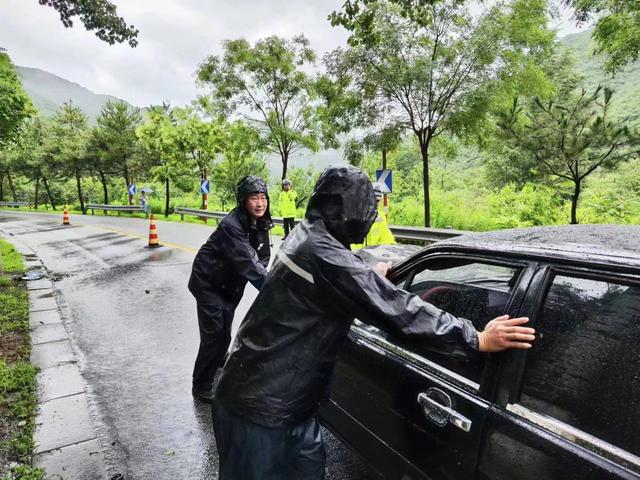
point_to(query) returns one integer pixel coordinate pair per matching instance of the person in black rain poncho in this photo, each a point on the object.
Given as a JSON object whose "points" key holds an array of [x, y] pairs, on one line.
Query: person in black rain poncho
{"points": [[279, 369], [238, 251]]}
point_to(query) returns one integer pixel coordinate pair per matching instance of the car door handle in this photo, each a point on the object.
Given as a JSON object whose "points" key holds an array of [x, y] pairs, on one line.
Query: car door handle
{"points": [[442, 414]]}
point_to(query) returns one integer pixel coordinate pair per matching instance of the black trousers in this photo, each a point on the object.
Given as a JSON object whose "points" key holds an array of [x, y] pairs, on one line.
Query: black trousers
{"points": [[214, 322], [248, 451], [289, 223]]}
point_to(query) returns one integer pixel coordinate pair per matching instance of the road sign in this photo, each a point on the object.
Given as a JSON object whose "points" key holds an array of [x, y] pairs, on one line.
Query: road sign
{"points": [[132, 189], [205, 186], [383, 177]]}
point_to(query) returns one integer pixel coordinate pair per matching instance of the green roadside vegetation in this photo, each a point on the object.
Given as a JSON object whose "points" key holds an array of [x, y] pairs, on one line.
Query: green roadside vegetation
{"points": [[17, 376], [481, 168]]}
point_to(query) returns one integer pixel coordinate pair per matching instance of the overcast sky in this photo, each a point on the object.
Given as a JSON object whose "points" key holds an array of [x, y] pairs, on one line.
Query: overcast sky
{"points": [[175, 36]]}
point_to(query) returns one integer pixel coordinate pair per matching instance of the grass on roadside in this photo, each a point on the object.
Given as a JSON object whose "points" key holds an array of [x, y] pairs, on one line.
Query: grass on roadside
{"points": [[17, 376]]}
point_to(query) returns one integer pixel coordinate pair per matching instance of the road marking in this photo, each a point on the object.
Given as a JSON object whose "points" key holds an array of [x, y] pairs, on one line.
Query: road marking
{"points": [[168, 244]]}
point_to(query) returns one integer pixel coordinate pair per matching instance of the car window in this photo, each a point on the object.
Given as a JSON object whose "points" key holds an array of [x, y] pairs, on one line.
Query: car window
{"points": [[466, 288], [583, 368]]}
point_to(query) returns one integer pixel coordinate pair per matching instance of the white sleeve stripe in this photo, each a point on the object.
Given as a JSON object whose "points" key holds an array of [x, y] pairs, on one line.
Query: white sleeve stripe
{"points": [[293, 267]]}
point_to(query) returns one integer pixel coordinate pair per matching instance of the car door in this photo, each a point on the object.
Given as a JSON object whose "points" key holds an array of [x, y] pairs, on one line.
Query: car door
{"points": [[414, 413], [569, 408]]}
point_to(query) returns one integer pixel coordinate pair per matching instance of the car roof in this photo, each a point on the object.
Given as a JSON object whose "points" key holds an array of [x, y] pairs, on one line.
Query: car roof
{"points": [[617, 245]]}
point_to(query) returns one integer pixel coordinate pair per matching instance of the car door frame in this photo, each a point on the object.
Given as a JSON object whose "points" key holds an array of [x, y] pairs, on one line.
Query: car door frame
{"points": [[574, 442], [480, 393]]}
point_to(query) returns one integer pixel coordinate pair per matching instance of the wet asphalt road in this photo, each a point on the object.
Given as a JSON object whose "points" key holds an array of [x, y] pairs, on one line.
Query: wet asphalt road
{"points": [[134, 326]]}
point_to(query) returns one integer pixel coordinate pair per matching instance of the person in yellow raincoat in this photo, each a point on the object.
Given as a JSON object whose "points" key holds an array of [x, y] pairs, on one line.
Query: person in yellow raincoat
{"points": [[287, 202], [380, 233]]}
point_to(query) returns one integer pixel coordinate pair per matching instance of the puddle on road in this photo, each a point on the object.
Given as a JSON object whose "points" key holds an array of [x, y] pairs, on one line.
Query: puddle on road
{"points": [[160, 255]]}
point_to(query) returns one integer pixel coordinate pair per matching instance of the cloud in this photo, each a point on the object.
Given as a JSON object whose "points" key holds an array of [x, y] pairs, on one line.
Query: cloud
{"points": [[175, 36]]}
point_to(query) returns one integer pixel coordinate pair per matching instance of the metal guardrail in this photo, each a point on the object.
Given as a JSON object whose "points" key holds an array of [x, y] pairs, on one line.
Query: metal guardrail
{"points": [[14, 204], [115, 208], [196, 212], [402, 233], [423, 234]]}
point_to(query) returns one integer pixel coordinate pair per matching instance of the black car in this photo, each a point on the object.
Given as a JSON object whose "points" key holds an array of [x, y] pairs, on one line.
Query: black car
{"points": [[568, 408]]}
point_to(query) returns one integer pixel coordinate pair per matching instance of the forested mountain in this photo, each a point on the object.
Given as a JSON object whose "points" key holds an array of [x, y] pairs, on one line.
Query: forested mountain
{"points": [[48, 92], [626, 83]]}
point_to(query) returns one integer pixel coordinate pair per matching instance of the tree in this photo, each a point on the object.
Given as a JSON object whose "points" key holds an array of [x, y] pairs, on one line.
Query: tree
{"points": [[165, 159], [198, 140], [238, 160], [508, 165], [436, 70], [268, 84], [68, 143], [571, 136], [384, 141], [15, 105], [31, 159], [98, 15], [304, 181], [9, 156], [114, 142], [617, 30]]}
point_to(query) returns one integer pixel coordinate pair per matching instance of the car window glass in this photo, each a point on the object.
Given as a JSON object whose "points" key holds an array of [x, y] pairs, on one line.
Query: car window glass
{"points": [[465, 288], [583, 368]]}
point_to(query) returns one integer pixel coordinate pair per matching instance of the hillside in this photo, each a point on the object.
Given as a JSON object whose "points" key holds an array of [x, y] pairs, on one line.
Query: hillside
{"points": [[48, 92], [626, 84]]}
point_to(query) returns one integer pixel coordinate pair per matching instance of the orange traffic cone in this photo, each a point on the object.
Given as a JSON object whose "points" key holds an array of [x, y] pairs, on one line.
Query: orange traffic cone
{"points": [[65, 217], [153, 233]]}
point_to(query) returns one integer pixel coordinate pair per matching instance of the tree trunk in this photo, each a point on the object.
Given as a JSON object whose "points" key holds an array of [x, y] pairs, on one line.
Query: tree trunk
{"points": [[1, 188], [13, 190], [46, 186], [128, 181], [166, 202], [103, 179], [424, 150], [35, 201], [574, 202], [285, 164], [79, 185]]}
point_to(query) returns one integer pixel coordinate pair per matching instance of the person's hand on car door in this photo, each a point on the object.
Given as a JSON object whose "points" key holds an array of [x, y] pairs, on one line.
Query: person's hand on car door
{"points": [[503, 332]]}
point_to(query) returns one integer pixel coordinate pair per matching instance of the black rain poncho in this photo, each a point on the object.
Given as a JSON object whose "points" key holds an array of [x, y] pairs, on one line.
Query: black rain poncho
{"points": [[236, 252], [288, 343]]}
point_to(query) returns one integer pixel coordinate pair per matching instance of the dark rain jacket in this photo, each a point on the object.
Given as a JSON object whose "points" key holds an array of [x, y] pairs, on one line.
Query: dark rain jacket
{"points": [[236, 252], [288, 343]]}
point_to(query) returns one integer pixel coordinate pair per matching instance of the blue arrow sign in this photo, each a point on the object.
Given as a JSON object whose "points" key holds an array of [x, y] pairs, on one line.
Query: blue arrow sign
{"points": [[384, 178], [132, 189], [205, 186]]}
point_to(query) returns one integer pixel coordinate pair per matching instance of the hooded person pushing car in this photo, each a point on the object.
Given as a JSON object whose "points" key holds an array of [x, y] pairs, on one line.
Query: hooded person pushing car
{"points": [[266, 402], [237, 252]]}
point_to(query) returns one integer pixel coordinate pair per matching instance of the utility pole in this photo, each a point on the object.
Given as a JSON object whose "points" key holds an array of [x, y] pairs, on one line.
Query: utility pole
{"points": [[384, 197]]}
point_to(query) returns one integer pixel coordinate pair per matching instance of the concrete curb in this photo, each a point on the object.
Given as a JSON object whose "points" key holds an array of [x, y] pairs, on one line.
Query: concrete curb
{"points": [[66, 443]]}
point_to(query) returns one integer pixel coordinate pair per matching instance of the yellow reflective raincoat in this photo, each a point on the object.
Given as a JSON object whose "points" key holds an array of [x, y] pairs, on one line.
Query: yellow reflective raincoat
{"points": [[379, 234], [287, 202]]}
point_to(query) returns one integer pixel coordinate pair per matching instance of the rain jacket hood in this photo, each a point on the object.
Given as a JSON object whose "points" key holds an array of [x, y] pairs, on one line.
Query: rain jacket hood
{"points": [[343, 199], [287, 345], [252, 184]]}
